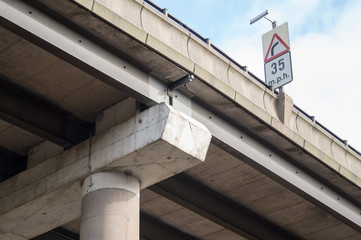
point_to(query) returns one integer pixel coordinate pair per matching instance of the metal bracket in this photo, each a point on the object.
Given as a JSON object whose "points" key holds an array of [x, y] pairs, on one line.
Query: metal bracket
{"points": [[181, 82], [170, 93]]}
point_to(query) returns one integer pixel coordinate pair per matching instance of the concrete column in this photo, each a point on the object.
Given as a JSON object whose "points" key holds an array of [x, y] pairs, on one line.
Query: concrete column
{"points": [[110, 207]]}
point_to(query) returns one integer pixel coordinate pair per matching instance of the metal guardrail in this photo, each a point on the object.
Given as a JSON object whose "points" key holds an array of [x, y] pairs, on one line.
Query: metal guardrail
{"points": [[244, 68]]}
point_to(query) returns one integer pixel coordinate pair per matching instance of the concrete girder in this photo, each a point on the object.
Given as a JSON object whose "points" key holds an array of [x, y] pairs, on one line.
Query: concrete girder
{"points": [[11, 164], [150, 229], [153, 229], [151, 146], [211, 205], [58, 234], [40, 118]]}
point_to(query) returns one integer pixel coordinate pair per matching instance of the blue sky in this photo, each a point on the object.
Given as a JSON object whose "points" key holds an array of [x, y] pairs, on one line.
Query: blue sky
{"points": [[230, 18], [325, 38]]}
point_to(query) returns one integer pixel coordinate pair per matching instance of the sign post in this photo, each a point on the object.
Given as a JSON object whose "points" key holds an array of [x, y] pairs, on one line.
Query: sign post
{"points": [[277, 57]]}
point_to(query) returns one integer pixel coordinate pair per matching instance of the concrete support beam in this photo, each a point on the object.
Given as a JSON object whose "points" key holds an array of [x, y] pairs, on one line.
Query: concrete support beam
{"points": [[45, 120], [154, 145], [116, 114], [110, 207], [204, 201], [151, 228], [11, 164], [43, 151]]}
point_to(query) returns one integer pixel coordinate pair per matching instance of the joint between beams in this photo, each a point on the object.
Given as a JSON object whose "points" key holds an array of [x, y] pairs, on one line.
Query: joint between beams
{"points": [[229, 67], [92, 7], [188, 40], [141, 21]]}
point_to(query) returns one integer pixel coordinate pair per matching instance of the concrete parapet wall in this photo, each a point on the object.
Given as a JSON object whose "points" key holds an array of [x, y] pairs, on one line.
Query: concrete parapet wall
{"points": [[167, 38], [157, 32]]}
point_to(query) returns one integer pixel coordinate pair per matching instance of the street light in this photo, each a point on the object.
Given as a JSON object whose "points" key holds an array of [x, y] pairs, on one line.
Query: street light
{"points": [[263, 15]]}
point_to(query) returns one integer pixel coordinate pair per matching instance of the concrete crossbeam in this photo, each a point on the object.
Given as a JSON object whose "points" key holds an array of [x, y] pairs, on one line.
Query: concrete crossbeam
{"points": [[43, 151], [154, 145]]}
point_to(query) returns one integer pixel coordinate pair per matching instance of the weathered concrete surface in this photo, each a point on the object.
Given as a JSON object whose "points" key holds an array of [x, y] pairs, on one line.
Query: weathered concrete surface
{"points": [[284, 108], [110, 207], [262, 114], [151, 146], [111, 214], [43, 151], [116, 114], [165, 37]]}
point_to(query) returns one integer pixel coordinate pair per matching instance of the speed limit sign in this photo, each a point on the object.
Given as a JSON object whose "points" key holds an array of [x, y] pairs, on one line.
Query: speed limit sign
{"points": [[278, 71], [277, 57]]}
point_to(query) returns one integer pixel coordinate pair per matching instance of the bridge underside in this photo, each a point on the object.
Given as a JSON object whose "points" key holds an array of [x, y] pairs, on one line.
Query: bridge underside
{"points": [[52, 99]]}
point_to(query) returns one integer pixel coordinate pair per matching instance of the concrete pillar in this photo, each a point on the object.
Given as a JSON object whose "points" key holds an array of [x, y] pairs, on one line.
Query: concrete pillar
{"points": [[110, 207]]}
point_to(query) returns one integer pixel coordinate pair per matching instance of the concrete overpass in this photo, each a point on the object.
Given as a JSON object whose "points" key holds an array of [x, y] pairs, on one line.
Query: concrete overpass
{"points": [[94, 141]]}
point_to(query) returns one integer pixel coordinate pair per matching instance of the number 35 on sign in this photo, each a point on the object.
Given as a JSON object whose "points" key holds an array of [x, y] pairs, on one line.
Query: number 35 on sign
{"points": [[278, 71]]}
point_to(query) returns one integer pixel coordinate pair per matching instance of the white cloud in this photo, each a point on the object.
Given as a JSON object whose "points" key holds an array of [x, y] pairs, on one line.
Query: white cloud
{"points": [[325, 44], [327, 75], [326, 55]]}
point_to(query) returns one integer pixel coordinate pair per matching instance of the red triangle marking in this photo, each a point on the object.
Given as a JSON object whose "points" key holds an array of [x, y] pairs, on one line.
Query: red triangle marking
{"points": [[267, 58]]}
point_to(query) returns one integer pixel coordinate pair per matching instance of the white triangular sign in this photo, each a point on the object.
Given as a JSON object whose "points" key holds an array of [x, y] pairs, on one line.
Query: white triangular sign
{"points": [[276, 48]]}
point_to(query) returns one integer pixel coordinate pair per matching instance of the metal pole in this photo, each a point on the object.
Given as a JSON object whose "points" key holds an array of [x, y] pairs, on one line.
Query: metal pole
{"points": [[274, 25]]}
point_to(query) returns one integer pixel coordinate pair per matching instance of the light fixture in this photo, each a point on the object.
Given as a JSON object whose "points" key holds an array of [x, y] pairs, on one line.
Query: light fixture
{"points": [[262, 15], [183, 81]]}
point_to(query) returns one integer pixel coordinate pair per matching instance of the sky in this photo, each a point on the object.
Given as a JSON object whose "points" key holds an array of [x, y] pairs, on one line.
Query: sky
{"points": [[325, 43]]}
